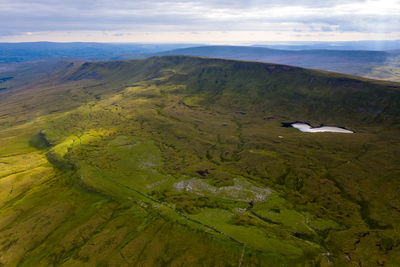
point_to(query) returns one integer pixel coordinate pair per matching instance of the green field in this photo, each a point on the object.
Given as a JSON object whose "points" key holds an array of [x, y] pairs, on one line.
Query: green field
{"points": [[182, 161]]}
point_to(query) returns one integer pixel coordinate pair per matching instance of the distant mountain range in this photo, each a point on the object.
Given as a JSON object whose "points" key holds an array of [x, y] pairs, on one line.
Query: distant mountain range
{"points": [[371, 45], [383, 65], [18, 52]]}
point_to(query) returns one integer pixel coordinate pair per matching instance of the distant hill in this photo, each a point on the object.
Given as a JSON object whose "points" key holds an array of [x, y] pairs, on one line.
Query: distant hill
{"points": [[18, 52], [369, 45], [286, 56], [359, 63]]}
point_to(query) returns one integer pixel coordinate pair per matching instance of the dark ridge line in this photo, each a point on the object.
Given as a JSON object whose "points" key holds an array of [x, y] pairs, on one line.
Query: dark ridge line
{"points": [[251, 206], [264, 219]]}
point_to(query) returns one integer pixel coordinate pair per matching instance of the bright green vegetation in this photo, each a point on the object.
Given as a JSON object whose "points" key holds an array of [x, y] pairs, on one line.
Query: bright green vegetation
{"points": [[182, 161]]}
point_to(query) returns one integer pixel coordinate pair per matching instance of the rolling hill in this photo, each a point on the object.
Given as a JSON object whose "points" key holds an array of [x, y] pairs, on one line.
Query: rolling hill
{"points": [[182, 161]]}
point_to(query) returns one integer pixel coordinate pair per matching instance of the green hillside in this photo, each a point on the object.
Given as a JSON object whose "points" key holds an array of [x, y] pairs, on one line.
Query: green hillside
{"points": [[182, 161]]}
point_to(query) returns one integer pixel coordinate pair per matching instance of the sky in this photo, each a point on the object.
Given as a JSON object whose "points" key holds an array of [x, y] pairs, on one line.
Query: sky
{"points": [[207, 21]]}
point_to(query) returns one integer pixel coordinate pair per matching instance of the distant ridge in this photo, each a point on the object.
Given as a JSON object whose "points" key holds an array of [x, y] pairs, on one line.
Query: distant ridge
{"points": [[383, 65], [353, 62]]}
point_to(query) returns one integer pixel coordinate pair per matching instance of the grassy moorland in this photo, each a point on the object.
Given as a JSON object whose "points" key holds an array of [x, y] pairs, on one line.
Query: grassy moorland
{"points": [[182, 161]]}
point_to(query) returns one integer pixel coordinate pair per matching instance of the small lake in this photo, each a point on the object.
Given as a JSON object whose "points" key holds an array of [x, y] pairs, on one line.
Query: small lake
{"points": [[304, 127]]}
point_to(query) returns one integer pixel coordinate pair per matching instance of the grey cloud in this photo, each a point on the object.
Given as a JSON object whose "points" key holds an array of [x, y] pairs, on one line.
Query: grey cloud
{"points": [[157, 15]]}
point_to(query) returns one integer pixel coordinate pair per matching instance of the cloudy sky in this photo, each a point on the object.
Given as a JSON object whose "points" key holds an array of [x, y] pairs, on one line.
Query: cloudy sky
{"points": [[224, 21]]}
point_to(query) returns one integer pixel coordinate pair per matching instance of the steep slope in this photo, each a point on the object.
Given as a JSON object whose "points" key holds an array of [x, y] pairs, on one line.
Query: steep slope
{"points": [[183, 161], [249, 86]]}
